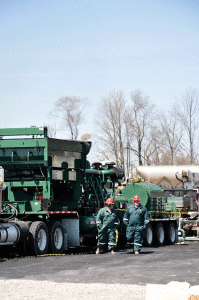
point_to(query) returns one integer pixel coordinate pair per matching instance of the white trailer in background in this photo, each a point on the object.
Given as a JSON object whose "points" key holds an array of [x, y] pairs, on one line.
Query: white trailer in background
{"points": [[183, 191], [158, 174]]}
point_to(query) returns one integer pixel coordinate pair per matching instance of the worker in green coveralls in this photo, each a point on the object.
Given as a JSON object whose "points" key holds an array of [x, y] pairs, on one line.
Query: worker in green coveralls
{"points": [[107, 222], [136, 219]]}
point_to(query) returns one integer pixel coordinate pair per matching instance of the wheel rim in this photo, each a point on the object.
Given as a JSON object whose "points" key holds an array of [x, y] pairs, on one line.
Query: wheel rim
{"points": [[161, 234], [58, 238], [42, 239], [149, 235], [172, 234]]}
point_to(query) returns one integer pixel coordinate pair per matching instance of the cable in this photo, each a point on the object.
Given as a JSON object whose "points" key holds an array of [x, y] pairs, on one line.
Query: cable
{"points": [[14, 213]]}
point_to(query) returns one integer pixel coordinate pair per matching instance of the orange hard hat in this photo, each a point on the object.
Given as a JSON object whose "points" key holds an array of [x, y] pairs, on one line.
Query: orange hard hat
{"points": [[109, 201], [136, 198]]}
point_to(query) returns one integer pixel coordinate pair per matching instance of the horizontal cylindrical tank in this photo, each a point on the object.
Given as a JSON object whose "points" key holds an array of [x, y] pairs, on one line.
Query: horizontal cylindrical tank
{"points": [[157, 174], [9, 234], [144, 190]]}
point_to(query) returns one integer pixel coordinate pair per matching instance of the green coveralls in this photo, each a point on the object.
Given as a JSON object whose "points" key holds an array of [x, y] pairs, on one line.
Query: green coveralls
{"points": [[107, 223], [136, 221]]}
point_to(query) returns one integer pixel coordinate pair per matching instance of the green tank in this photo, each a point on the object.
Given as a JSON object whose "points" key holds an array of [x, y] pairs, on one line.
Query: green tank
{"points": [[151, 195]]}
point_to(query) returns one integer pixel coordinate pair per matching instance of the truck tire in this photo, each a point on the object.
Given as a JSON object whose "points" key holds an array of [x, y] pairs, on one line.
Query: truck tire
{"points": [[38, 238], [21, 247], [56, 238], [159, 234], [171, 233], [148, 239]]}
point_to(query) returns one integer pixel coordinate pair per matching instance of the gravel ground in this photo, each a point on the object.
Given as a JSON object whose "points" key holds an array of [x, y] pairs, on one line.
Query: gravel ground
{"points": [[47, 290], [36, 290], [97, 277]]}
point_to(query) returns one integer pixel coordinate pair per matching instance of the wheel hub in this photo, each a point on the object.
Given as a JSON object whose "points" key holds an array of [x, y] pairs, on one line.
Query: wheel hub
{"points": [[161, 235], [149, 235], [41, 239], [58, 238]]}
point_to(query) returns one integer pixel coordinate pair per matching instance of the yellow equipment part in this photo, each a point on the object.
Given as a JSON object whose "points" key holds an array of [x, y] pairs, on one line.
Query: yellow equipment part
{"points": [[116, 231]]}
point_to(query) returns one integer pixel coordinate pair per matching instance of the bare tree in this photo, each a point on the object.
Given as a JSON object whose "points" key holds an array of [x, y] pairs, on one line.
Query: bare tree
{"points": [[172, 135], [153, 146], [127, 132], [52, 124], [111, 122], [187, 112], [141, 122], [51, 131], [71, 110], [128, 140]]}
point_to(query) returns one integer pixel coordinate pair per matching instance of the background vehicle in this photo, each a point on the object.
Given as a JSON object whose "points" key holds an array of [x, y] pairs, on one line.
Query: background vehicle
{"points": [[181, 187]]}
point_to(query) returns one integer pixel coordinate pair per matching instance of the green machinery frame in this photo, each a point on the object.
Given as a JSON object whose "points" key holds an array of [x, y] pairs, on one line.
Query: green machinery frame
{"points": [[43, 174], [37, 167]]}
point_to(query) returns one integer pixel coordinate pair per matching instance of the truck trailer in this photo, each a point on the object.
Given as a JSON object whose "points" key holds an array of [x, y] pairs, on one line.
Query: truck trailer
{"points": [[163, 219], [50, 194]]}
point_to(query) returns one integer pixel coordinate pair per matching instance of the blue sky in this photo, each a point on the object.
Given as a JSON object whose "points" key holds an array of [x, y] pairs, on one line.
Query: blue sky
{"points": [[50, 49]]}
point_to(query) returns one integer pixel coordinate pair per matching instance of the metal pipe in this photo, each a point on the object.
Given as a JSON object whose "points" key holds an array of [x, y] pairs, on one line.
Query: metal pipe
{"points": [[2, 187], [115, 172], [191, 238], [99, 172]]}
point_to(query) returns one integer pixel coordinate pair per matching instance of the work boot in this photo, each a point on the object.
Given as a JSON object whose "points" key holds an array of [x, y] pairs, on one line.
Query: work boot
{"points": [[112, 251], [97, 251], [136, 252]]}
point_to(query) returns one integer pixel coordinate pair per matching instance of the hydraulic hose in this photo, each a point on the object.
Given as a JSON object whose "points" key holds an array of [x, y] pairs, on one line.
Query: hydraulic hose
{"points": [[178, 178]]}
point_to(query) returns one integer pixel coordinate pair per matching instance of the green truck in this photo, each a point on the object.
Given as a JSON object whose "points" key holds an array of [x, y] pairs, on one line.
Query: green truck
{"points": [[50, 195]]}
